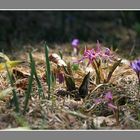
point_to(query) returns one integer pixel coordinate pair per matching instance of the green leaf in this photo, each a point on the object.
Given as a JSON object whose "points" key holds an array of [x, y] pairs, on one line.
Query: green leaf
{"points": [[83, 90], [29, 90], [15, 98], [40, 89], [48, 70], [75, 67], [70, 83]]}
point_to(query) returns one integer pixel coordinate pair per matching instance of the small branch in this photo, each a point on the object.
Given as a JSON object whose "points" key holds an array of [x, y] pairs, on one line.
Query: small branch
{"points": [[75, 114]]}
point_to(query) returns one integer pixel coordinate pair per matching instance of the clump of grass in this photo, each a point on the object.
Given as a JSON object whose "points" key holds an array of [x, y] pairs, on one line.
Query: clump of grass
{"points": [[21, 121], [29, 90], [49, 79]]}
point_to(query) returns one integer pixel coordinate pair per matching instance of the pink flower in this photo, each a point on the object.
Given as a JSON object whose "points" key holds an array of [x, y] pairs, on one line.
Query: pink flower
{"points": [[101, 53], [106, 100], [98, 101], [108, 96], [107, 51], [110, 105], [98, 47], [109, 99], [88, 54], [95, 54]]}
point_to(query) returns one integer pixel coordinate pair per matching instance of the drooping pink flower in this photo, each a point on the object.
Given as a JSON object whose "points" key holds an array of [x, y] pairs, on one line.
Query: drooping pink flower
{"points": [[110, 105], [98, 101], [107, 100], [108, 96]]}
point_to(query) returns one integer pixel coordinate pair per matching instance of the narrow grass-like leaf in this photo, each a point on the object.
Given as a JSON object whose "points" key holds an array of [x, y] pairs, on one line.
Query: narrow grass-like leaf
{"points": [[48, 71], [112, 70], [29, 90], [95, 66], [102, 77], [40, 89], [15, 98], [53, 78]]}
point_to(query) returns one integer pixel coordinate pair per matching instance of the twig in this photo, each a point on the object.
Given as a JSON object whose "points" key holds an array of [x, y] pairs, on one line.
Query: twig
{"points": [[98, 86], [75, 114]]}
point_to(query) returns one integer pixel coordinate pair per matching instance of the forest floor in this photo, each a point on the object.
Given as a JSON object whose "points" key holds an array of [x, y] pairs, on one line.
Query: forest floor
{"points": [[63, 111]]}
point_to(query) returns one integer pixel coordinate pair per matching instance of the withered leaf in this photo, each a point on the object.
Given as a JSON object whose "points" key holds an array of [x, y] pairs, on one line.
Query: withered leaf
{"points": [[20, 74]]}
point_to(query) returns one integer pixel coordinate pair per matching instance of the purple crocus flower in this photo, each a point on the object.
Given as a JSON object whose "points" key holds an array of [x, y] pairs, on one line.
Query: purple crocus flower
{"points": [[136, 67], [75, 43]]}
